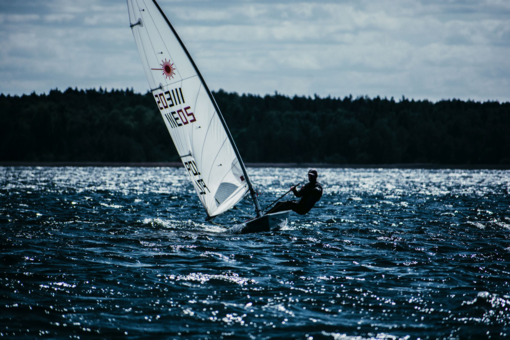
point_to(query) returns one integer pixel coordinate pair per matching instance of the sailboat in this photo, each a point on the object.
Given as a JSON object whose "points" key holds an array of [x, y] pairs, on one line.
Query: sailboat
{"points": [[193, 119]]}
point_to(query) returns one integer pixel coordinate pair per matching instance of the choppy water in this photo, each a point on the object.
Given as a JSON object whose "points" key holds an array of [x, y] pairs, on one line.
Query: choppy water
{"points": [[125, 252]]}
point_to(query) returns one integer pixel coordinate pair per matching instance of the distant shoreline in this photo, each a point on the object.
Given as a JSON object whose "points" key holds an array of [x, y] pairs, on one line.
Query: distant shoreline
{"points": [[268, 165]]}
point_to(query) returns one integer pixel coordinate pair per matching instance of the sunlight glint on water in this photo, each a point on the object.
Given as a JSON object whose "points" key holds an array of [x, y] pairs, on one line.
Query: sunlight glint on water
{"points": [[387, 253]]}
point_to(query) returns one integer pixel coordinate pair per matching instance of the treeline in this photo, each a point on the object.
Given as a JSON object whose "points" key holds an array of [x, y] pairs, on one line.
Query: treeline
{"points": [[83, 126], [122, 126]]}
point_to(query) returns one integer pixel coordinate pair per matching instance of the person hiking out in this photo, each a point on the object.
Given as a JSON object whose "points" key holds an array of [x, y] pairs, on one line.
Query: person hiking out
{"points": [[310, 194]]}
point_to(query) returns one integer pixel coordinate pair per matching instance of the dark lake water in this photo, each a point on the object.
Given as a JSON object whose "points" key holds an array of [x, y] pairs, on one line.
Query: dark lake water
{"points": [[126, 252]]}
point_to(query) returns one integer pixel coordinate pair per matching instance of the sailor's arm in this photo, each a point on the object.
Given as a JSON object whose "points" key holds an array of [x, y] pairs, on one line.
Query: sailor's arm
{"points": [[296, 192]]}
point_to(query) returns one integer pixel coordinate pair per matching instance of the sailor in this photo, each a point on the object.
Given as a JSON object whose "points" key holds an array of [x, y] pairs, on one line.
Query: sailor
{"points": [[310, 194]]}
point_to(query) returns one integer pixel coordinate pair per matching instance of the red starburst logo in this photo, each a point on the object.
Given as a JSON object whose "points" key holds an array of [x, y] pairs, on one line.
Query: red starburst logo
{"points": [[168, 69]]}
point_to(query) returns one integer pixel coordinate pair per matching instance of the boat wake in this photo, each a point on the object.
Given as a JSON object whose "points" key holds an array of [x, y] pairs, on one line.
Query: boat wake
{"points": [[183, 225]]}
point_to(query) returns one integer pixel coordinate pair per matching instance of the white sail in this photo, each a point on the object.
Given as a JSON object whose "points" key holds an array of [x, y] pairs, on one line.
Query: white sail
{"points": [[188, 109]]}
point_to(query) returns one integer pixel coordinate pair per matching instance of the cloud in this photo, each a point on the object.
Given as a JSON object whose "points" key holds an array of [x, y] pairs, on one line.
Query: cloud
{"points": [[422, 49], [59, 18]]}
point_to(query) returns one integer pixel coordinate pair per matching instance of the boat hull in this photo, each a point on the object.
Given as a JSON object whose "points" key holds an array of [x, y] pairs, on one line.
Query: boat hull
{"points": [[269, 222]]}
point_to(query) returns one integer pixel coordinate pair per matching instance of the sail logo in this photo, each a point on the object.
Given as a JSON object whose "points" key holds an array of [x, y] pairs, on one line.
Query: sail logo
{"points": [[169, 99], [192, 168], [168, 69]]}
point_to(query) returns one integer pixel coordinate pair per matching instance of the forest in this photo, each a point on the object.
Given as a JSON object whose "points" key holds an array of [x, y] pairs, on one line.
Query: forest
{"points": [[122, 126]]}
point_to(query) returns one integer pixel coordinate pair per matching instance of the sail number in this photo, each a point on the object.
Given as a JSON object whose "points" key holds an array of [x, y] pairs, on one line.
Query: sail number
{"points": [[167, 100], [192, 168]]}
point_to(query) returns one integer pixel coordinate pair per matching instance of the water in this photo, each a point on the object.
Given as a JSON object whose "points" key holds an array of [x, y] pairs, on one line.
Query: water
{"points": [[125, 252]]}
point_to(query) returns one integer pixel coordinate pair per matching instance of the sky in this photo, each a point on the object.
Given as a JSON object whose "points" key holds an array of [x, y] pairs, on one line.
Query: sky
{"points": [[420, 49]]}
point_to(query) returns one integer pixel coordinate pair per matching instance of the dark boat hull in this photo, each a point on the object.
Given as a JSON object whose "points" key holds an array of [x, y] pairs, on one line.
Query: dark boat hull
{"points": [[269, 222]]}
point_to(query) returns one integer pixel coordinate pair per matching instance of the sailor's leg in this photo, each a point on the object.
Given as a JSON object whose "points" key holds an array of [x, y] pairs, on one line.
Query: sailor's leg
{"points": [[299, 209], [280, 206]]}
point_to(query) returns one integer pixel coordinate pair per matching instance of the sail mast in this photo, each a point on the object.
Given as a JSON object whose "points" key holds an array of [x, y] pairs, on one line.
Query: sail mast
{"points": [[222, 120]]}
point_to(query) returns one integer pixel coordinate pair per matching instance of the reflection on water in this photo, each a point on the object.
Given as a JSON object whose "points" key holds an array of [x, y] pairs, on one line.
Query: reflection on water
{"points": [[387, 253]]}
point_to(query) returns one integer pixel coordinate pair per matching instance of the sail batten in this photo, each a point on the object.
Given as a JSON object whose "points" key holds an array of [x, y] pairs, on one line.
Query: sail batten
{"points": [[189, 110]]}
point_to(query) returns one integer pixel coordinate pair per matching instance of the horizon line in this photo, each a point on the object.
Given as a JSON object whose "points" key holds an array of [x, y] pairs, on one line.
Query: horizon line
{"points": [[276, 93]]}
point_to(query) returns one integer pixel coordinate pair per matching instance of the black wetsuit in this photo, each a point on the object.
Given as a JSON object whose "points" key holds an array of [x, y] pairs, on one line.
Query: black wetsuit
{"points": [[310, 194]]}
